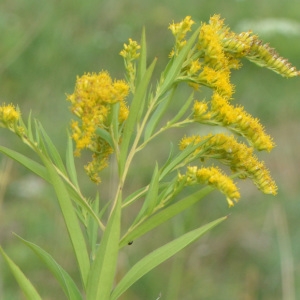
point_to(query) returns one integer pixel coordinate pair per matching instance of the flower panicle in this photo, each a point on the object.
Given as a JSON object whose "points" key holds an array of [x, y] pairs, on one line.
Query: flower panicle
{"points": [[239, 157], [236, 119], [10, 118], [179, 31], [265, 56], [131, 53], [92, 101], [9, 115], [214, 177]]}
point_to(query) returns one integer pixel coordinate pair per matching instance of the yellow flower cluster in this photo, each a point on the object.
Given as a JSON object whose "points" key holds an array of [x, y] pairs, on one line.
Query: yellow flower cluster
{"points": [[8, 115], [130, 51], [179, 30], [237, 156], [91, 101], [130, 54], [218, 50], [234, 118], [212, 176], [10, 119]]}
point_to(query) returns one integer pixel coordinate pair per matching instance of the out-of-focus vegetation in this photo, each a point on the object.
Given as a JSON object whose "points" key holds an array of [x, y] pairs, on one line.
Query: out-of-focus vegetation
{"points": [[45, 44]]}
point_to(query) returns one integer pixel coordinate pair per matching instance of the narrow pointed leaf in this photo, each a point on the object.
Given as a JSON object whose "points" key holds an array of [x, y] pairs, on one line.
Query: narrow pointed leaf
{"points": [[151, 197], [183, 109], [158, 256], [71, 220], [92, 228], [176, 66], [103, 268], [24, 283], [164, 215], [142, 65], [105, 136], [41, 171], [129, 128], [29, 127], [70, 163], [158, 114], [30, 164], [64, 279], [52, 150], [175, 162]]}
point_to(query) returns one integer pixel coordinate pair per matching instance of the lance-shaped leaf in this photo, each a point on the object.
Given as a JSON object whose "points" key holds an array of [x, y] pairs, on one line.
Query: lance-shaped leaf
{"points": [[163, 215], [66, 282], [30, 164], [24, 283], [158, 256], [151, 197], [41, 171], [158, 114], [142, 65], [71, 220], [131, 122], [70, 163], [52, 151], [176, 64], [103, 268]]}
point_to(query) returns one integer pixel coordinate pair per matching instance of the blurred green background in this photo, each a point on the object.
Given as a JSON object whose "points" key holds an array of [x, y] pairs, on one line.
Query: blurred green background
{"points": [[255, 254]]}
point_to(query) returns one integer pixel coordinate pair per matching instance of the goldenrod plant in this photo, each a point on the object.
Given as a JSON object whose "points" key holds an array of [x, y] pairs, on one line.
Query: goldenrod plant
{"points": [[116, 119]]}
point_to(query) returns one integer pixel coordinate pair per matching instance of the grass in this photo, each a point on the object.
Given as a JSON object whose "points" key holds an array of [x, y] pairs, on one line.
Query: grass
{"points": [[43, 48]]}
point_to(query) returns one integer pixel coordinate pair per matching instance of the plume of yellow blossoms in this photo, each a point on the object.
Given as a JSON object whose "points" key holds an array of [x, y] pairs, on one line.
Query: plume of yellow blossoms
{"points": [[8, 115], [92, 102], [217, 51], [209, 62]]}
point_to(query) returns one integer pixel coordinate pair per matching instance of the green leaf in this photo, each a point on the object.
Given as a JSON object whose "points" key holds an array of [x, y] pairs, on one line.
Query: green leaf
{"points": [[71, 220], [92, 226], [103, 268], [29, 127], [30, 164], [151, 197], [135, 196], [142, 59], [158, 114], [105, 136], [184, 154], [64, 279], [113, 121], [52, 150], [42, 172], [70, 163], [183, 109], [158, 256], [135, 106], [24, 283], [164, 215], [176, 64]]}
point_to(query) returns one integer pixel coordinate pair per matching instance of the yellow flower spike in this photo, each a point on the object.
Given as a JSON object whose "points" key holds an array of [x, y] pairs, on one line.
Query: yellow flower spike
{"points": [[93, 96], [237, 156], [194, 67], [218, 80], [265, 56], [130, 51], [9, 115], [241, 122], [215, 177], [200, 109], [186, 141], [179, 30]]}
